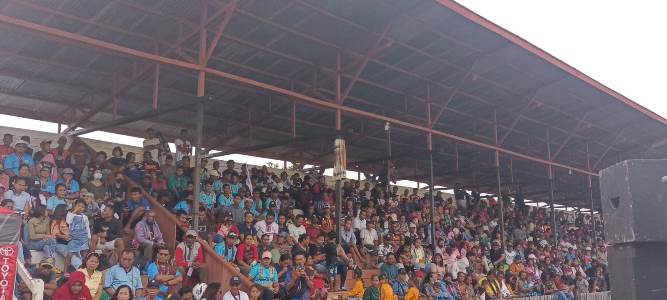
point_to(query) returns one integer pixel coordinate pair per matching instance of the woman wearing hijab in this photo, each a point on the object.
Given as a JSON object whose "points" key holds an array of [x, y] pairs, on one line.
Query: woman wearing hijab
{"points": [[74, 288]]}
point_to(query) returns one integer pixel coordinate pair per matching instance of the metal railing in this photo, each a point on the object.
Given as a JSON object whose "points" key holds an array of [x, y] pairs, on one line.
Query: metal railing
{"points": [[36, 286]]}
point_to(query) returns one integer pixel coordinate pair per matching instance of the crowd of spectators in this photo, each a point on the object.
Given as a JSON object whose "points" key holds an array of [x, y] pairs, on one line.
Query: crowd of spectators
{"points": [[278, 230]]}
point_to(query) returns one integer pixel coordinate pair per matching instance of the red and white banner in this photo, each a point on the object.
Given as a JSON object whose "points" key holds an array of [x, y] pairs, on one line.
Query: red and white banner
{"points": [[8, 258]]}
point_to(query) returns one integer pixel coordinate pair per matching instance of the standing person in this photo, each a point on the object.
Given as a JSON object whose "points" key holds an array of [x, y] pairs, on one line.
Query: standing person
{"points": [[163, 148], [124, 274], [151, 143], [235, 293], [190, 259], [183, 145], [13, 161], [6, 147], [162, 271], [92, 275], [117, 162], [79, 228]]}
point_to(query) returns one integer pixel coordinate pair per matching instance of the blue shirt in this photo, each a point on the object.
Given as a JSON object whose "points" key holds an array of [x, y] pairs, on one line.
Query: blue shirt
{"points": [[228, 255], [13, 162], [263, 276], [131, 205], [207, 199], [50, 186], [182, 205], [224, 201], [54, 201], [73, 186], [152, 271], [117, 276]]}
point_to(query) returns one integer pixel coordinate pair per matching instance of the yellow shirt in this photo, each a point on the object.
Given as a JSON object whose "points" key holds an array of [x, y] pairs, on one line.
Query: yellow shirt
{"points": [[357, 291], [93, 282], [412, 294], [387, 292]]}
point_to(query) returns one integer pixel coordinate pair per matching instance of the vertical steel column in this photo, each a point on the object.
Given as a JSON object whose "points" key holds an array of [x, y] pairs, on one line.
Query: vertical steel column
{"points": [[429, 148], [501, 203], [201, 76], [554, 229], [338, 91], [293, 119], [60, 127], [156, 86], [387, 128], [590, 197], [339, 204], [197, 175]]}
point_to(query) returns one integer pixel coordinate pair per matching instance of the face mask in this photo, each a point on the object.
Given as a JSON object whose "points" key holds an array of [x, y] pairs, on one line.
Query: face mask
{"points": [[97, 176]]}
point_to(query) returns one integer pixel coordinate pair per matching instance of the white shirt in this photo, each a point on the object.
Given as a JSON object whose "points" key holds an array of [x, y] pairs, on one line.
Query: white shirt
{"points": [[153, 142], [179, 143], [295, 232], [242, 296], [368, 237], [358, 224], [20, 201], [263, 228]]}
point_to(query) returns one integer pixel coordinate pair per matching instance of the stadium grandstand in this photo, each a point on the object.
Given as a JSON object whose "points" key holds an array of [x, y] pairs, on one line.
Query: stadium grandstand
{"points": [[503, 140]]}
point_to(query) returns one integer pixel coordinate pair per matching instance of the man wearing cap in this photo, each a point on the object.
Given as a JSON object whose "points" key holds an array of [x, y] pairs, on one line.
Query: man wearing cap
{"points": [[225, 246], [45, 149], [153, 291], [14, 160], [43, 271], [234, 292], [70, 183], [190, 258], [264, 273]]}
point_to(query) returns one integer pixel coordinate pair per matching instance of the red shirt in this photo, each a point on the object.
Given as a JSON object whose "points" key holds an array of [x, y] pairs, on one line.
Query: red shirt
{"points": [[240, 252], [4, 151], [180, 257]]}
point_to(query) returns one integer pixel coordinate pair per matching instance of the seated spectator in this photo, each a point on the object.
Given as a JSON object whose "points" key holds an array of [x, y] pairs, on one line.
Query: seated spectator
{"points": [[39, 233], [147, 234], [93, 277], [108, 233], [235, 293], [19, 197], [184, 204], [71, 184], [178, 182], [225, 247], [14, 160], [267, 226], [190, 259], [136, 206], [74, 288], [265, 273], [247, 254], [124, 274], [57, 199], [43, 271], [373, 292], [162, 271]]}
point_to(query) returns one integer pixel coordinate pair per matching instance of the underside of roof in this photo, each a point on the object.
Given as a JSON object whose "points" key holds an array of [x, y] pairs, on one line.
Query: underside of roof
{"points": [[431, 64]]}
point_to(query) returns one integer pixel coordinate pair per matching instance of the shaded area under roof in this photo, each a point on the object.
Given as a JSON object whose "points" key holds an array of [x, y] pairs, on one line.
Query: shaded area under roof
{"points": [[398, 59]]}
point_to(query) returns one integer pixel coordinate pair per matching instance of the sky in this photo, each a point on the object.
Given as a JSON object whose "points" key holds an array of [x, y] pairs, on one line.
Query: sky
{"points": [[622, 44], [618, 43]]}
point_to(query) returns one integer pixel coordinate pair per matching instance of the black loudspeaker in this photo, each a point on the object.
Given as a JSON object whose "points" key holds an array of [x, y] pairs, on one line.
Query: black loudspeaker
{"points": [[634, 204], [637, 271], [634, 201]]}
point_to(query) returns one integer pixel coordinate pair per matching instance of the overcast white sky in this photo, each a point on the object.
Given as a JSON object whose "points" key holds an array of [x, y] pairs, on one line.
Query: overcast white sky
{"points": [[622, 44]]}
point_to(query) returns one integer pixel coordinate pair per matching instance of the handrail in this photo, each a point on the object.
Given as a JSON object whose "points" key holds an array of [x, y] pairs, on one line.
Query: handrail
{"points": [[167, 222], [210, 254], [36, 286]]}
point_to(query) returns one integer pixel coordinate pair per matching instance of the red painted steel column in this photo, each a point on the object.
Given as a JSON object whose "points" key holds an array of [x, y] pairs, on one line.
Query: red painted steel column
{"points": [[156, 86], [501, 202]]}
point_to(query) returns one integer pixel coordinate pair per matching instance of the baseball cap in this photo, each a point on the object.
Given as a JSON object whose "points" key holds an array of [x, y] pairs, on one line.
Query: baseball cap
{"points": [[231, 234], [153, 284], [267, 254], [47, 141], [68, 171], [235, 280], [191, 233], [19, 142], [47, 262]]}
